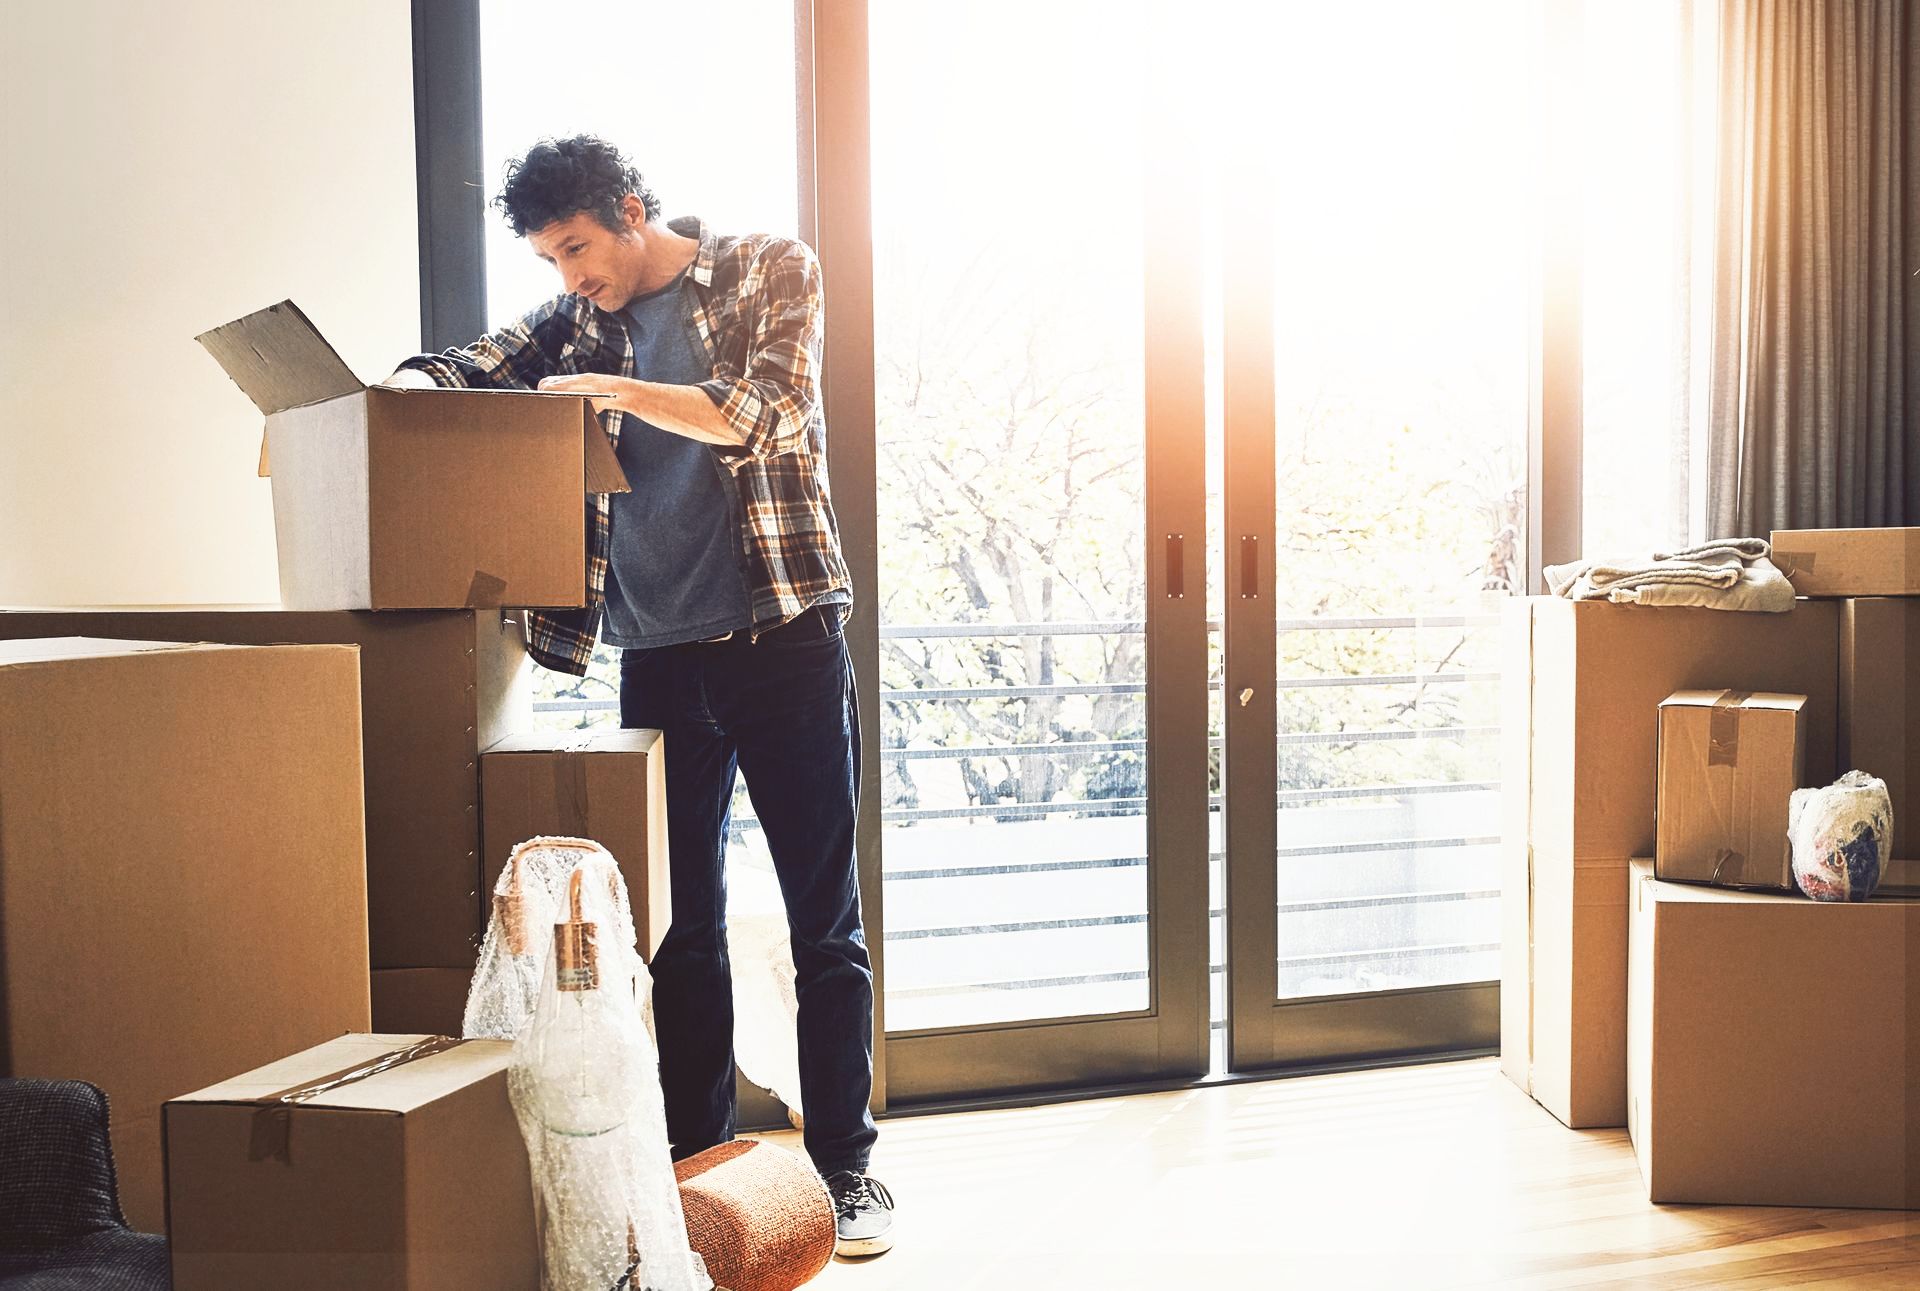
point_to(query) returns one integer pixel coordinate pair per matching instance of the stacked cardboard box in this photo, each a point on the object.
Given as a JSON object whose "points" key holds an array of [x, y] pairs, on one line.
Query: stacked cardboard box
{"points": [[1729, 762], [1771, 1047], [1875, 574], [182, 870], [436, 687], [1759, 1046], [607, 785], [195, 824], [1583, 685], [377, 1162], [1880, 705]]}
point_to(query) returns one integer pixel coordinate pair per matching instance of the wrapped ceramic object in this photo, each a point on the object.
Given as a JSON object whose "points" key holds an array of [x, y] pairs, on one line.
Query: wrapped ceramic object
{"points": [[1839, 837], [585, 1079], [529, 898]]}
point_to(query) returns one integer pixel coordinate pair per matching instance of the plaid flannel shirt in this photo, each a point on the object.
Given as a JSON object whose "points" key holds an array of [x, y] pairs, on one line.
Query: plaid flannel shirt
{"points": [[759, 309]]}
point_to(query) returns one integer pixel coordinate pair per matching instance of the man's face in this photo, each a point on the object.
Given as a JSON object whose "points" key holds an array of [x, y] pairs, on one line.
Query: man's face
{"points": [[604, 266]]}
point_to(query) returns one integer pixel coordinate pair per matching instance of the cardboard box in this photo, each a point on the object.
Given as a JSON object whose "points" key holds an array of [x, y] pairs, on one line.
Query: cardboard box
{"points": [[607, 785], [1772, 1044], [1729, 762], [376, 1162], [415, 499], [1900, 879], [1849, 562], [436, 688], [432, 1001], [1581, 689], [1880, 704], [182, 870]]}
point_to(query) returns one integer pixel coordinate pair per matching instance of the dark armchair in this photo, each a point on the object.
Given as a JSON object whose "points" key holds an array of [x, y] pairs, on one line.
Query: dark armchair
{"points": [[61, 1227]]}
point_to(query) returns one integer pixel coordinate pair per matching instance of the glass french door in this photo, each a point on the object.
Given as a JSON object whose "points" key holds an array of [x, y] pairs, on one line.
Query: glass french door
{"points": [[1037, 562], [1375, 386]]}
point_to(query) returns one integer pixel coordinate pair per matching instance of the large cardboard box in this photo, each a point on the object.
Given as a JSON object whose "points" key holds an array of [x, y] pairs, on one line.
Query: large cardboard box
{"points": [[1901, 878], [1849, 562], [1729, 762], [1772, 1046], [182, 870], [376, 1162], [1880, 704], [607, 785], [415, 499], [1581, 691], [428, 1000], [436, 688]]}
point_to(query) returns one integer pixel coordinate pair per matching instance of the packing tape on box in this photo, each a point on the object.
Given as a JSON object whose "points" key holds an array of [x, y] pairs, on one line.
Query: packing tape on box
{"points": [[570, 795], [486, 590], [1723, 729], [1729, 867], [1793, 562], [272, 1124]]}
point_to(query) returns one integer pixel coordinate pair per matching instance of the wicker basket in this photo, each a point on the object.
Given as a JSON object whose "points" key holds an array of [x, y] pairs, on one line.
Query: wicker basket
{"points": [[757, 1214]]}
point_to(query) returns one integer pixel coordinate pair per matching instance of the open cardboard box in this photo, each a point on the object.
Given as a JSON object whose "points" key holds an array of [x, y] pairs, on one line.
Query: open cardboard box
{"points": [[415, 499]]}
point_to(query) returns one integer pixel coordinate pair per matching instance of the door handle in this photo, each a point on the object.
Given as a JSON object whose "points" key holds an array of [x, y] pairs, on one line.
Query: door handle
{"points": [[1176, 567], [1250, 567]]}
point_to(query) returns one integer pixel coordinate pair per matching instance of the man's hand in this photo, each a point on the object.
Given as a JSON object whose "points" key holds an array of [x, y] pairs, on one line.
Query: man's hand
{"points": [[410, 379], [609, 394]]}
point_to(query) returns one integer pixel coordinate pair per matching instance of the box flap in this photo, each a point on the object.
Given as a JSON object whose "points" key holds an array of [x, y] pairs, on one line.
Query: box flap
{"points": [[1659, 889], [358, 1076], [1734, 699], [603, 466], [47, 649], [280, 360], [624, 740]]}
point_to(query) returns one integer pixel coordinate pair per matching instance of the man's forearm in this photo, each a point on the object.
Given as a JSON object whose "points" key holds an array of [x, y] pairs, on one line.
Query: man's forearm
{"points": [[684, 410]]}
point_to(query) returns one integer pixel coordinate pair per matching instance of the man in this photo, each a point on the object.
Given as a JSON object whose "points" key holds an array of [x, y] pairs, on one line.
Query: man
{"points": [[720, 578]]}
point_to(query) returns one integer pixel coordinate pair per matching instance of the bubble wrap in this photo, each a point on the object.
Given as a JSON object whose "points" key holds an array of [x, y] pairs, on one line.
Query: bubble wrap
{"points": [[585, 1080], [1839, 837], [765, 1000]]}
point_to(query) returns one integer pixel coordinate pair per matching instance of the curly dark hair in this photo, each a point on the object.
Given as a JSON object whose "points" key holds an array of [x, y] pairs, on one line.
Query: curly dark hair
{"points": [[558, 178]]}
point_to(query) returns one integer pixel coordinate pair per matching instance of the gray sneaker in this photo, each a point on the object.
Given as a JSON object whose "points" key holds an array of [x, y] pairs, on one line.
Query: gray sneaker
{"points": [[863, 1213]]}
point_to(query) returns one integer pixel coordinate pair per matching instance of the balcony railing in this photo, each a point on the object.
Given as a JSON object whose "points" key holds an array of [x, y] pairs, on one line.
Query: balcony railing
{"points": [[895, 817]]}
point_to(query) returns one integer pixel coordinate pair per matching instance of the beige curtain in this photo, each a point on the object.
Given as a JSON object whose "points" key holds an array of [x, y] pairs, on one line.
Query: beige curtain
{"points": [[1814, 406]]}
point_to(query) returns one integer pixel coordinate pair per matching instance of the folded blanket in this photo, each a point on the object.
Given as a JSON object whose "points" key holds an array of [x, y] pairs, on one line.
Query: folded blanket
{"points": [[1728, 574]]}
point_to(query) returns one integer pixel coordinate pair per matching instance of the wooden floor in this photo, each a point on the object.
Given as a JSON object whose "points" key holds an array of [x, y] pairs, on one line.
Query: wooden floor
{"points": [[1411, 1178]]}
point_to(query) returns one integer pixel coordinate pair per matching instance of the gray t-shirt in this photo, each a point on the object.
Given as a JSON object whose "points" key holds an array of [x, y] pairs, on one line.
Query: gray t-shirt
{"points": [[675, 568]]}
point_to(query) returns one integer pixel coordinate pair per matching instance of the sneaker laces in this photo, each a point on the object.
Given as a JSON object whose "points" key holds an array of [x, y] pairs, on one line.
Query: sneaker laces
{"points": [[853, 1191]]}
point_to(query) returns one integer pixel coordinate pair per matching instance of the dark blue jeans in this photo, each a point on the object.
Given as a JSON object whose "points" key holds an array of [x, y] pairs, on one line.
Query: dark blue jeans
{"points": [[780, 711]]}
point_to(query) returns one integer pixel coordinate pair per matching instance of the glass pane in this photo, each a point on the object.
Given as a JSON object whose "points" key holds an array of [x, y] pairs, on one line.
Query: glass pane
{"points": [[1008, 333], [1634, 473], [1401, 247], [725, 152], [533, 84]]}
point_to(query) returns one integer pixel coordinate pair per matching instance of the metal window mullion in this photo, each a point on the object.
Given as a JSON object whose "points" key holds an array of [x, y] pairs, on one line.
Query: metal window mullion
{"points": [[1555, 395], [1176, 515], [1251, 641], [837, 209]]}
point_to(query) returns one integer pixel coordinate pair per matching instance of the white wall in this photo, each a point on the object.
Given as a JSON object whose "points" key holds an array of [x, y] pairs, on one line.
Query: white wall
{"points": [[168, 167]]}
